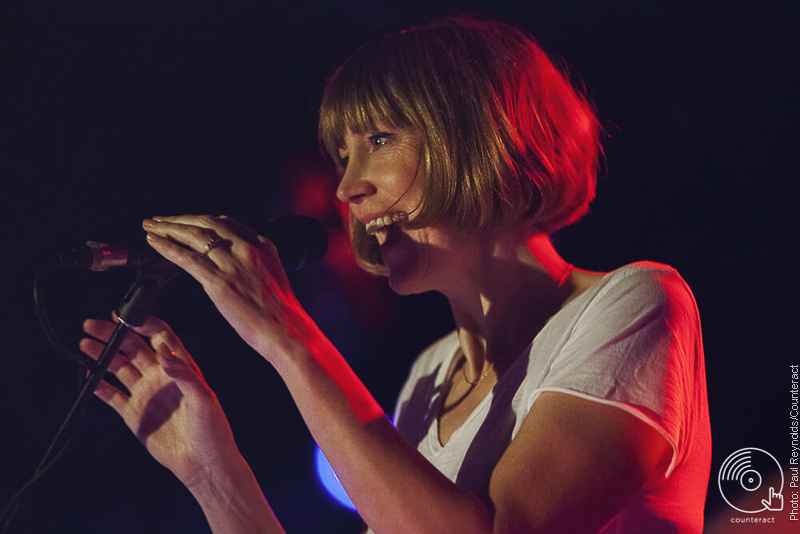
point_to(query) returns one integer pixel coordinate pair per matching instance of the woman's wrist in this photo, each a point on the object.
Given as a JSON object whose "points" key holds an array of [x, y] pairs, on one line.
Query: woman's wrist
{"points": [[232, 501], [319, 367], [279, 342], [214, 480]]}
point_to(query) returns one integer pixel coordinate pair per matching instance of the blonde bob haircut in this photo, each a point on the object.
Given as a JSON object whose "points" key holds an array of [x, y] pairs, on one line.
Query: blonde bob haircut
{"points": [[506, 139]]}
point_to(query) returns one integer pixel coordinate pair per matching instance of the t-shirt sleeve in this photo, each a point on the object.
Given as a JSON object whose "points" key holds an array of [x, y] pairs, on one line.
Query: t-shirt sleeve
{"points": [[635, 346]]}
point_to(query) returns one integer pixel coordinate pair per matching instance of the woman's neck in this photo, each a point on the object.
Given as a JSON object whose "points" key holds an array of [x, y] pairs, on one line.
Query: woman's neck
{"points": [[511, 294]]}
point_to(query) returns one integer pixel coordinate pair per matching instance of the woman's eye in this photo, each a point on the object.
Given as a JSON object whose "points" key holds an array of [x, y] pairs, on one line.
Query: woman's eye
{"points": [[379, 140]]}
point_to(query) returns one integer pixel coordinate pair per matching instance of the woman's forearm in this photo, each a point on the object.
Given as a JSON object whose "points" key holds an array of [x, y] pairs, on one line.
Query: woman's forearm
{"points": [[232, 501], [394, 488]]}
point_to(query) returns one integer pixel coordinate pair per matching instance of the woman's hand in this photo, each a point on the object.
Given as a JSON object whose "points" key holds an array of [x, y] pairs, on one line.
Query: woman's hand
{"points": [[171, 409], [241, 272], [176, 416]]}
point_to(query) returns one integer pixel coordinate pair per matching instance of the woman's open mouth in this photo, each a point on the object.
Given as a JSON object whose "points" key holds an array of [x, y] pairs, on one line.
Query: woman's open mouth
{"points": [[382, 227]]}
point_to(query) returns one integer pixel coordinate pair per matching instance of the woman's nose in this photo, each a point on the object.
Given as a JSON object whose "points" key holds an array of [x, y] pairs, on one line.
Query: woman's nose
{"points": [[354, 186]]}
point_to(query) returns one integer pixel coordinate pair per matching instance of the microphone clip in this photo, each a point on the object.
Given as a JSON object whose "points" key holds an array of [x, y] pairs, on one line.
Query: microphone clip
{"points": [[141, 297]]}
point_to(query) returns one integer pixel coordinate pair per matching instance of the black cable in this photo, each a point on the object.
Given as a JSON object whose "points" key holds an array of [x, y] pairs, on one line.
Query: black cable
{"points": [[69, 428], [44, 320], [11, 507], [134, 309]]}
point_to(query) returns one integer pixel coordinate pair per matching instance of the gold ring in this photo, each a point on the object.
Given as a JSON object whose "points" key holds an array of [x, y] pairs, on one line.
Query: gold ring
{"points": [[213, 243]]}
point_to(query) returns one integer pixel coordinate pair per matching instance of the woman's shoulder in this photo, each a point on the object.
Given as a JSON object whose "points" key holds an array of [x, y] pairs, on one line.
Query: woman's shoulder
{"points": [[641, 272], [638, 290], [642, 279]]}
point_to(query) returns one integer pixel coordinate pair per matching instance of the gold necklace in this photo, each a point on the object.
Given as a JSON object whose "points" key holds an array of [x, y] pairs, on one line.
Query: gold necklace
{"points": [[489, 372]]}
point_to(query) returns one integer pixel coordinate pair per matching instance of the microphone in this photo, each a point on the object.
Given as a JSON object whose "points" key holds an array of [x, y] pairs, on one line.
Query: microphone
{"points": [[299, 240]]}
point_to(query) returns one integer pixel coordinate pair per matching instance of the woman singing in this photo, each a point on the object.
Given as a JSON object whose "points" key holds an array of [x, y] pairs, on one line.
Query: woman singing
{"points": [[565, 400]]}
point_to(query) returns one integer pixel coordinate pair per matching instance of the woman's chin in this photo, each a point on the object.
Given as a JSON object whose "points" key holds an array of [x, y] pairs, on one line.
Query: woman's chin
{"points": [[403, 282], [400, 286]]}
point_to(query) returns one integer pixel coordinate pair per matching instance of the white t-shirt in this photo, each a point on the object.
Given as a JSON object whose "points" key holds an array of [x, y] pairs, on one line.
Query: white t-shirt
{"points": [[633, 341]]}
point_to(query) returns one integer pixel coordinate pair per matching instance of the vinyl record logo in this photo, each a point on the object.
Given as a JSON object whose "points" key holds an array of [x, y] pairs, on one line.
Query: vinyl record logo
{"points": [[742, 471]]}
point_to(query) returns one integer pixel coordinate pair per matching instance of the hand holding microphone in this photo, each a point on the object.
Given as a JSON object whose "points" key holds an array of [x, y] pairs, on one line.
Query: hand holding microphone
{"points": [[167, 403], [299, 240], [171, 408], [242, 273]]}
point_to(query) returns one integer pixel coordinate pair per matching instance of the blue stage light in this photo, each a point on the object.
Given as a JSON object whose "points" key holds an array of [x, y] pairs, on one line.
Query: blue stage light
{"points": [[331, 481]]}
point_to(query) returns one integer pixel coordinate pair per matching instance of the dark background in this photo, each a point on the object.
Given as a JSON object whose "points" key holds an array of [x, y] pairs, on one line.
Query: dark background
{"points": [[116, 111]]}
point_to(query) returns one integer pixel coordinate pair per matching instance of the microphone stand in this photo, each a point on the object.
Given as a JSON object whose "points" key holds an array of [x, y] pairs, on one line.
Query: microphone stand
{"points": [[133, 311]]}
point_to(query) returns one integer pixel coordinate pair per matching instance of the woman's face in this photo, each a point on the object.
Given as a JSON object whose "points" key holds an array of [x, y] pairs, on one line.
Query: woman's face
{"points": [[382, 183]]}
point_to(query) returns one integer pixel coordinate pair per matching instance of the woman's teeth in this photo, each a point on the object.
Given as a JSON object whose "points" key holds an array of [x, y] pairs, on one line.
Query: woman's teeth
{"points": [[376, 225], [379, 223]]}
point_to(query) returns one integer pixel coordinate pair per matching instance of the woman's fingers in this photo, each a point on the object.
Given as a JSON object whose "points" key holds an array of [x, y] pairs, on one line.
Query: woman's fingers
{"points": [[100, 329], [199, 265], [202, 234], [243, 276], [206, 246], [212, 242], [200, 238], [138, 354], [113, 397], [161, 334], [153, 326], [134, 347], [194, 243], [199, 229], [183, 371], [120, 365]]}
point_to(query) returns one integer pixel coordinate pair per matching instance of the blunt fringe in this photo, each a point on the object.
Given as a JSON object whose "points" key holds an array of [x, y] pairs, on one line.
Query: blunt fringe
{"points": [[506, 138]]}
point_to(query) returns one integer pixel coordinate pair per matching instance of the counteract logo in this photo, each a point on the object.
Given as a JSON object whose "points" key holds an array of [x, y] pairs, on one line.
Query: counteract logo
{"points": [[742, 471]]}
